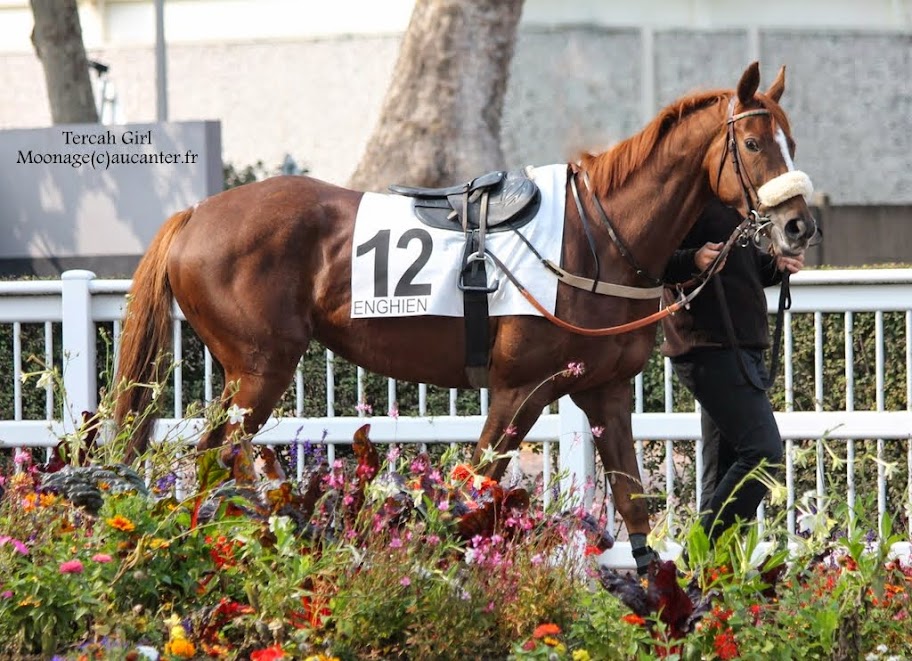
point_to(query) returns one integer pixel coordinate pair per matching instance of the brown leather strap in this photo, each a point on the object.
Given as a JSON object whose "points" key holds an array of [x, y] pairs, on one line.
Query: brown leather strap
{"points": [[597, 332]]}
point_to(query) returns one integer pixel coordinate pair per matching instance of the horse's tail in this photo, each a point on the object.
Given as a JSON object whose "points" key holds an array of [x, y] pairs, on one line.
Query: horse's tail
{"points": [[146, 334]]}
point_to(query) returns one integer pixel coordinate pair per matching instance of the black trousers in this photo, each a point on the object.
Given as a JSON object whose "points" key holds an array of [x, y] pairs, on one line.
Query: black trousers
{"points": [[739, 433]]}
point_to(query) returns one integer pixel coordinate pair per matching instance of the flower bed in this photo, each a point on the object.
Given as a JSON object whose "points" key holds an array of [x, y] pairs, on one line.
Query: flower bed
{"points": [[402, 559]]}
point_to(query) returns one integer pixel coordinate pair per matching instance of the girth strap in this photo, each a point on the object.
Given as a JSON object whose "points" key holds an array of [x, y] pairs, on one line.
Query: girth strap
{"points": [[473, 281]]}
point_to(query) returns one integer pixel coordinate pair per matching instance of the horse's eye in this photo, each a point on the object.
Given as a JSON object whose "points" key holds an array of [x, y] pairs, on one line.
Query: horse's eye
{"points": [[752, 145]]}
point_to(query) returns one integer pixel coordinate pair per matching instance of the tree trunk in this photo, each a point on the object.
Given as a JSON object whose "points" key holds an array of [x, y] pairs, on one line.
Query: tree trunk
{"points": [[440, 121], [57, 38]]}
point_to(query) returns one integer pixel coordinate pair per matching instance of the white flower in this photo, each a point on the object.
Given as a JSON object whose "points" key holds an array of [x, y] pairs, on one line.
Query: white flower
{"points": [[148, 653], [488, 455], [46, 380], [236, 414], [778, 494]]}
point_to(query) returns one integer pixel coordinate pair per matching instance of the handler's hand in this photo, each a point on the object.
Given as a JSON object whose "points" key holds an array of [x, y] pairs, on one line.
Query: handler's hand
{"points": [[707, 254], [792, 264]]}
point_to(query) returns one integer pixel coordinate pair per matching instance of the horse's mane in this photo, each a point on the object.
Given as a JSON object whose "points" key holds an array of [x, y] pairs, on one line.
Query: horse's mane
{"points": [[611, 168]]}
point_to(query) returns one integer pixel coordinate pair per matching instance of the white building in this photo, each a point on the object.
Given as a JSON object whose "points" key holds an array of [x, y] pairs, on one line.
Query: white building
{"points": [[307, 78]]}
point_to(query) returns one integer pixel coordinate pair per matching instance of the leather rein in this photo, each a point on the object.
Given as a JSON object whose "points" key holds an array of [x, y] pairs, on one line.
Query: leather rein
{"points": [[750, 228]]}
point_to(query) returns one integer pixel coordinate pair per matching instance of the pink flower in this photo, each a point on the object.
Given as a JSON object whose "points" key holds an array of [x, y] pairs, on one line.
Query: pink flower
{"points": [[364, 407], [574, 369], [101, 557], [395, 543], [394, 413], [18, 545], [510, 431], [6, 594], [405, 581], [597, 431], [71, 567], [22, 457]]}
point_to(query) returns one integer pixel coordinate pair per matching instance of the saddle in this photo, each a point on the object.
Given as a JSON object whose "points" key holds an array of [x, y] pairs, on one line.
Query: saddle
{"points": [[494, 202]]}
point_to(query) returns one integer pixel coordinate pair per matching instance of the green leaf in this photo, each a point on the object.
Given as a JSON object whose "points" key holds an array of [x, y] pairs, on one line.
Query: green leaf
{"points": [[209, 472]]}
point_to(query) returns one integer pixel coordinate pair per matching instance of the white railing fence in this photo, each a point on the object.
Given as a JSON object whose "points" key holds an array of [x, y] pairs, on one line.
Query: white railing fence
{"points": [[832, 405]]}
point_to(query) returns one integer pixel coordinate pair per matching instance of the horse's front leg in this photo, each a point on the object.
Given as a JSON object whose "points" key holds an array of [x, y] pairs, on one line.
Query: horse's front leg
{"points": [[608, 409], [511, 415]]}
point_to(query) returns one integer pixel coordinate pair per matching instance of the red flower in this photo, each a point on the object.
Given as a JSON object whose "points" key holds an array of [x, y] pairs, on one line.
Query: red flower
{"points": [[726, 647], [548, 629], [222, 551], [633, 618], [310, 616], [274, 653]]}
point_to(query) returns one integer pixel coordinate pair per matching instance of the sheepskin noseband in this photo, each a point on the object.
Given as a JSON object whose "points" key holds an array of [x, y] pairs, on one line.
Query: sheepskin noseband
{"points": [[784, 187]]}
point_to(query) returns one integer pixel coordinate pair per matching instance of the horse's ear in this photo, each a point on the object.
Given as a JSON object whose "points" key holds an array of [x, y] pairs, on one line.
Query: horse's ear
{"points": [[778, 87], [750, 81]]}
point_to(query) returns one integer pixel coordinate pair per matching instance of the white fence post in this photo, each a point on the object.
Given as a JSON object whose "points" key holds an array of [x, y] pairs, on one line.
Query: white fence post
{"points": [[576, 453], [79, 378]]}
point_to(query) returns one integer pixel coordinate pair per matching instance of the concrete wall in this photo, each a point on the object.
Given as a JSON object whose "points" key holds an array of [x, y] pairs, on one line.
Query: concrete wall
{"points": [[93, 196]]}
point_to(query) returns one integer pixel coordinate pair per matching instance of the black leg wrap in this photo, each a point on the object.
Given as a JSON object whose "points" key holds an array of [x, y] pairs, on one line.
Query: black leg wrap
{"points": [[642, 553]]}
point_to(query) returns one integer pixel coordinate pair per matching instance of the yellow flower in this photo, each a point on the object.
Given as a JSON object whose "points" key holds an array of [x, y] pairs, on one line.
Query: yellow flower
{"points": [[181, 647], [121, 523], [581, 655], [20, 480], [550, 641], [177, 632], [158, 543]]}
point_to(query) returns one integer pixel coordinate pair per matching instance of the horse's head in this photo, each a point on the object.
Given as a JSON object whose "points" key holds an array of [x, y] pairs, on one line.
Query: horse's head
{"points": [[750, 166]]}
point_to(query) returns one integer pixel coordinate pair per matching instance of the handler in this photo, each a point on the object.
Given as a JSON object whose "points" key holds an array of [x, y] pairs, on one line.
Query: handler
{"points": [[738, 427]]}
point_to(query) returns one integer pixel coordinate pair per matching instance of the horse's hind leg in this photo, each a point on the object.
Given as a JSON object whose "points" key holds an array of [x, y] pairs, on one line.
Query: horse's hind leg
{"points": [[512, 413], [608, 409], [256, 391]]}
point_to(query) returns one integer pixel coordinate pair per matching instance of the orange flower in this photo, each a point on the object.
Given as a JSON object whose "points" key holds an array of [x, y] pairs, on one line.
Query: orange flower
{"points": [[461, 473], [121, 523], [47, 499], [633, 618], [180, 647], [549, 629], [28, 502]]}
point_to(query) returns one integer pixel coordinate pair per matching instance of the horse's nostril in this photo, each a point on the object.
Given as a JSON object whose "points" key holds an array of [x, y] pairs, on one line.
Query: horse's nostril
{"points": [[795, 228]]}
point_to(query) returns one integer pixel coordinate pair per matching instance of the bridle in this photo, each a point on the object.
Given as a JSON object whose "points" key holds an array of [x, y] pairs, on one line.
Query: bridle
{"points": [[751, 229]]}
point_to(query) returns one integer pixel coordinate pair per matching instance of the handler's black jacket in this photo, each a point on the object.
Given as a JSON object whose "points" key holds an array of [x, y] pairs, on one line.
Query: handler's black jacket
{"points": [[746, 273]]}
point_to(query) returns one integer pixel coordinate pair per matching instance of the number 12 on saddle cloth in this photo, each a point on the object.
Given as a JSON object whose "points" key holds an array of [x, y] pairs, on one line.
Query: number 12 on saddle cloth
{"points": [[402, 267]]}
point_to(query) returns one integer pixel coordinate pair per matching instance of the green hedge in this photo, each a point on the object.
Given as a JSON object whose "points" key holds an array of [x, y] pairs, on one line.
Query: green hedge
{"points": [[346, 399]]}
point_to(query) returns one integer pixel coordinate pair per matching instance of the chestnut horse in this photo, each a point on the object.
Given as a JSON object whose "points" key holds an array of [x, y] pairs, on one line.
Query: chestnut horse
{"points": [[262, 269]]}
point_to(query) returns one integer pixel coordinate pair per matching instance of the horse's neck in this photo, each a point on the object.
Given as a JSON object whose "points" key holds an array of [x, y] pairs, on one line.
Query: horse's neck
{"points": [[660, 201]]}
